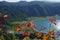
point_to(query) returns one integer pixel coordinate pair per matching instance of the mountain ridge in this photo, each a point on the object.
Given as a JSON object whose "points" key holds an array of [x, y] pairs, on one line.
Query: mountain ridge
{"points": [[29, 9]]}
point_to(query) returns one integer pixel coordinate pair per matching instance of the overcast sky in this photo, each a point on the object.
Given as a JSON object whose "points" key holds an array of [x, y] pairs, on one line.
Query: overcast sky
{"points": [[30, 0]]}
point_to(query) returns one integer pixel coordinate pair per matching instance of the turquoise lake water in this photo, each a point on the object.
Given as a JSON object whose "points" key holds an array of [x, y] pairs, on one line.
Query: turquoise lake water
{"points": [[46, 23]]}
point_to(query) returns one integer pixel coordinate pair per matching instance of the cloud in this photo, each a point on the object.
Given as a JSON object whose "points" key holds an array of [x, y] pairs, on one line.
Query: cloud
{"points": [[52, 0], [39, 0], [31, 0], [12, 0], [1, 0]]}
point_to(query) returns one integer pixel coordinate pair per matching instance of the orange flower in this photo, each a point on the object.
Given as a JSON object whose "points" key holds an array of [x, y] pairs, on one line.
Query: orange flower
{"points": [[18, 29], [45, 37], [33, 26], [51, 19], [37, 34]]}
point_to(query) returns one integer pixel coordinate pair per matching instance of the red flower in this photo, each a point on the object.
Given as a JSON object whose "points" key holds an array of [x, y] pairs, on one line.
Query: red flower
{"points": [[1, 22], [5, 16], [52, 32], [28, 24], [26, 33]]}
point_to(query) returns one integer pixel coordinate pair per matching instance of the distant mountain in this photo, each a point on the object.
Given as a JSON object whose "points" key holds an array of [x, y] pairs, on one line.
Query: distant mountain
{"points": [[24, 9]]}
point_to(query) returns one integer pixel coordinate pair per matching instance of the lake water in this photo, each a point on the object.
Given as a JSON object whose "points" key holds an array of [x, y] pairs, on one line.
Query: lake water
{"points": [[46, 23]]}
